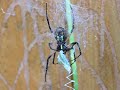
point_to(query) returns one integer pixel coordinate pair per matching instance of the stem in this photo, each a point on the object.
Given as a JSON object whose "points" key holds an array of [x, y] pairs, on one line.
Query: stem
{"points": [[71, 39]]}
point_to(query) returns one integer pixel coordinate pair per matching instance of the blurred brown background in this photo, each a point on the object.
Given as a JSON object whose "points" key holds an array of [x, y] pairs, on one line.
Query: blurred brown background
{"points": [[24, 38]]}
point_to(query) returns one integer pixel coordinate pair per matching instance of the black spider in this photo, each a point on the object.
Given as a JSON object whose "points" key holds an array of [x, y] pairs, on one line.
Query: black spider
{"points": [[61, 36]]}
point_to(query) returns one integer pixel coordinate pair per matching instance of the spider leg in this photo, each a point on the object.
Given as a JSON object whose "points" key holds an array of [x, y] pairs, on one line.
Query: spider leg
{"points": [[48, 63], [48, 20], [72, 21], [51, 47], [74, 59], [73, 44], [54, 58], [47, 66]]}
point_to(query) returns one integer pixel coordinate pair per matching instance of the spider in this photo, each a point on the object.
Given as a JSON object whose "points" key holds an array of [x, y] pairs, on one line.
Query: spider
{"points": [[61, 36]]}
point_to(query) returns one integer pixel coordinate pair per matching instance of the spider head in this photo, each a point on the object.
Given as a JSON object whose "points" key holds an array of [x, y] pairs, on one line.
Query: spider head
{"points": [[60, 34]]}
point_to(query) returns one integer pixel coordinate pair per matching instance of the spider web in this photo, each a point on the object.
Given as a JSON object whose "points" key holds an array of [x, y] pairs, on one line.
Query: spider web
{"points": [[86, 20], [33, 8]]}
